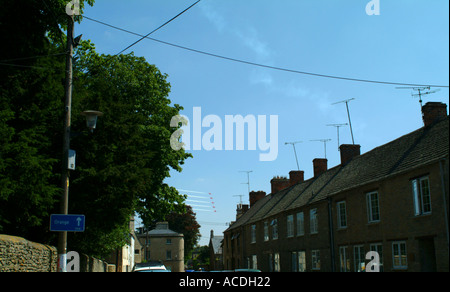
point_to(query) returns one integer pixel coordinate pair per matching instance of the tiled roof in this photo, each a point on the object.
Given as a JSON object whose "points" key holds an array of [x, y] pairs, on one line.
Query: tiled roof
{"points": [[216, 243], [421, 147]]}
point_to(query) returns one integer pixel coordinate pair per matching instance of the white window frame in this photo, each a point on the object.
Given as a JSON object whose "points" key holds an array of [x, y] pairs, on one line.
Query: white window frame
{"points": [[344, 260], [370, 207], [254, 262], [276, 262], [301, 265], [341, 214], [358, 258], [421, 206], [402, 258], [378, 247]]}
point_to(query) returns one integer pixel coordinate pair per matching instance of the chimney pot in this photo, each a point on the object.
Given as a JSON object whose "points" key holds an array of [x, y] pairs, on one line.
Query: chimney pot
{"points": [[296, 176], [279, 183], [320, 166], [348, 152], [256, 196], [433, 111]]}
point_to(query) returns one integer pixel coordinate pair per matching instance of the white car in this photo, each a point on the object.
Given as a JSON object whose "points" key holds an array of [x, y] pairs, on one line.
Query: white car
{"points": [[149, 268]]}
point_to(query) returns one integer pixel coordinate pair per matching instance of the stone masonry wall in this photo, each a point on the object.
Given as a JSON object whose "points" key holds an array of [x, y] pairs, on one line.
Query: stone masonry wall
{"points": [[20, 255]]}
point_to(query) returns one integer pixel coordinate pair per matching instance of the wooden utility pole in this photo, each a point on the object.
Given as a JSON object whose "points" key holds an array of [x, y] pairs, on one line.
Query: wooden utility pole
{"points": [[62, 240]]}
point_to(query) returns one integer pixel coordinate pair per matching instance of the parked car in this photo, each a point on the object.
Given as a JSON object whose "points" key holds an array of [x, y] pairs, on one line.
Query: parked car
{"points": [[150, 267]]}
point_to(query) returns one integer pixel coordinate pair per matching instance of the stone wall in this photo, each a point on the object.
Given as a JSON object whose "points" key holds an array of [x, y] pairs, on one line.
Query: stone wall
{"points": [[20, 255]]}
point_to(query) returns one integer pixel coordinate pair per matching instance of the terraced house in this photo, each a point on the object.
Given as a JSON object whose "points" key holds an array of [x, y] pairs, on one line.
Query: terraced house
{"points": [[392, 200]]}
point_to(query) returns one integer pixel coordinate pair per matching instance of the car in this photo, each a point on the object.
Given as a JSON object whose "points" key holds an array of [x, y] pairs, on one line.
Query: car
{"points": [[151, 270], [247, 271], [150, 267]]}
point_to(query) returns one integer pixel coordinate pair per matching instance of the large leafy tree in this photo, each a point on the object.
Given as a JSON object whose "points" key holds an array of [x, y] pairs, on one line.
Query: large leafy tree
{"points": [[31, 74], [121, 166]]}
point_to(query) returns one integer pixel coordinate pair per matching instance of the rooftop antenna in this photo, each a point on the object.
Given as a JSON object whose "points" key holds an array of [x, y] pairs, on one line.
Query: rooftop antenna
{"points": [[338, 126], [325, 141], [421, 92], [240, 201], [248, 179], [348, 113], [295, 152]]}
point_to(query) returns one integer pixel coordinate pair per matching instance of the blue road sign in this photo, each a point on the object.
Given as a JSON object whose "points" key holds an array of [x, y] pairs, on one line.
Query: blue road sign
{"points": [[69, 223]]}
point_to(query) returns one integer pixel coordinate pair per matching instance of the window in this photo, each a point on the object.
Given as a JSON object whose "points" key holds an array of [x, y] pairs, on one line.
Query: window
{"points": [[344, 260], [399, 255], [359, 258], [168, 255], [254, 262], [274, 224], [313, 224], [315, 259], [301, 261], [168, 241], [342, 214], [378, 247], [422, 197], [253, 234], [300, 224], [276, 264], [290, 226], [373, 209], [298, 261], [266, 231]]}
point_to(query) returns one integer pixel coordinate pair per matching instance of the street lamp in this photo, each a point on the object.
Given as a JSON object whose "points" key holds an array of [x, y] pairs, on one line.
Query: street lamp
{"points": [[91, 118]]}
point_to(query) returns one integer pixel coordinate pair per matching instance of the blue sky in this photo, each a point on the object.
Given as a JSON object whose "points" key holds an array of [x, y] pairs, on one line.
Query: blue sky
{"points": [[407, 43]]}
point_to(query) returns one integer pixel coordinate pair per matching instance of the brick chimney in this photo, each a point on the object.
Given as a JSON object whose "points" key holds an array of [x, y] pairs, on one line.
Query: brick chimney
{"points": [[279, 183], [433, 111], [240, 210], [348, 152], [320, 166], [296, 176], [256, 196]]}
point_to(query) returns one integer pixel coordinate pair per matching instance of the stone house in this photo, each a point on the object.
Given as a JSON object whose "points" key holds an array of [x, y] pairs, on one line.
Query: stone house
{"points": [[163, 245], [215, 252]]}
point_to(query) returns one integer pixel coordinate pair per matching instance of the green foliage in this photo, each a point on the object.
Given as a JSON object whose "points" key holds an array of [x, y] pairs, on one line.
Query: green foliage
{"points": [[186, 224], [121, 167]]}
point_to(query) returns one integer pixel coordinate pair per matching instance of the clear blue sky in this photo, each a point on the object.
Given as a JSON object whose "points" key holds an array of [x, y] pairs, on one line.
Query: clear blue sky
{"points": [[407, 43]]}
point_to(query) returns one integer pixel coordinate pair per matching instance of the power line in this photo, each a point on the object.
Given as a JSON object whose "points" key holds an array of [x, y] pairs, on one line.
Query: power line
{"points": [[262, 65], [161, 26], [33, 57], [24, 66]]}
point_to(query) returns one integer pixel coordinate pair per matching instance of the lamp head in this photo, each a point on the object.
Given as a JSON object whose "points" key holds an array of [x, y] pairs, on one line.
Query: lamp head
{"points": [[91, 118]]}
